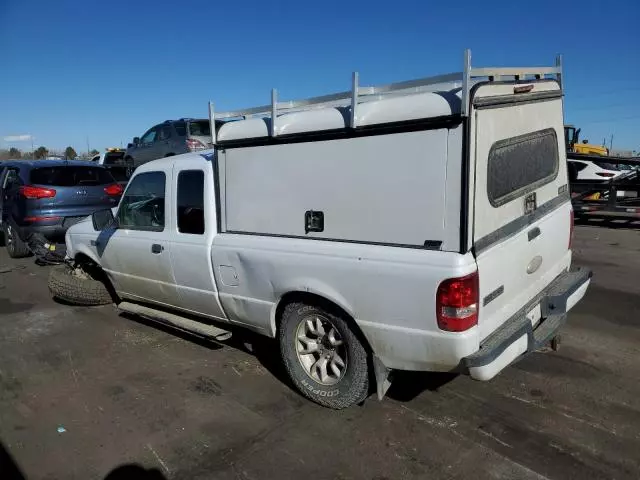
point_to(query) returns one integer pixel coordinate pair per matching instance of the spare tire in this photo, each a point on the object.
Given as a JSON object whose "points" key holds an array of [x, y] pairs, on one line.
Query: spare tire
{"points": [[78, 287]]}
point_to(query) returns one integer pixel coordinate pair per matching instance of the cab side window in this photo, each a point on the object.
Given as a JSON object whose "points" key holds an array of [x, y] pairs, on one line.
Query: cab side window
{"points": [[143, 204], [150, 136], [190, 200], [164, 132]]}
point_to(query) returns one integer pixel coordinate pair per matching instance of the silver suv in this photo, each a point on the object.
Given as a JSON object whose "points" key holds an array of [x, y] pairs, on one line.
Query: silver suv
{"points": [[171, 137]]}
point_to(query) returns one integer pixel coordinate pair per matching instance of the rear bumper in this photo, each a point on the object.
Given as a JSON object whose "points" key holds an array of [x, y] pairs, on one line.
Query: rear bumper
{"points": [[51, 230], [518, 337]]}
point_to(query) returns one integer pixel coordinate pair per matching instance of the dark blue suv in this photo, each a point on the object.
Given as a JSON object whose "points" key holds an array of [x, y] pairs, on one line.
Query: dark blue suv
{"points": [[48, 196]]}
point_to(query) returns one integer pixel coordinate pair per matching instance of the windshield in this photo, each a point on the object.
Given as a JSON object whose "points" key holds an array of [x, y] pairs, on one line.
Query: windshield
{"points": [[71, 176], [114, 158], [200, 128]]}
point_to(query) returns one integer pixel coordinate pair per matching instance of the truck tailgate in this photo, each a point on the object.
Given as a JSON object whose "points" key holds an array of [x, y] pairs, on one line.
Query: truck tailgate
{"points": [[521, 209]]}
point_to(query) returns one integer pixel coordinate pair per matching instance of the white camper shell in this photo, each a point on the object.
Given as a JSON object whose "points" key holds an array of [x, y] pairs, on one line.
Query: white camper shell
{"points": [[424, 225]]}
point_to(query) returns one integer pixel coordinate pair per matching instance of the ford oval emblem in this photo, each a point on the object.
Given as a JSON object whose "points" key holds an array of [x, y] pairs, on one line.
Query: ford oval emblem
{"points": [[534, 264]]}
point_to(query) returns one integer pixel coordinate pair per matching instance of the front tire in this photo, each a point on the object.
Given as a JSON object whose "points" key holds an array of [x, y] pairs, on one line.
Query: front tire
{"points": [[77, 287], [16, 248], [323, 356]]}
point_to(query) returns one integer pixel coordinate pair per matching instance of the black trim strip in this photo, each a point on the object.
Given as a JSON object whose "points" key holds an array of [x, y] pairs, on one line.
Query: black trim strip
{"points": [[533, 233], [519, 223], [428, 244], [493, 295], [464, 185], [448, 121], [216, 187], [516, 98]]}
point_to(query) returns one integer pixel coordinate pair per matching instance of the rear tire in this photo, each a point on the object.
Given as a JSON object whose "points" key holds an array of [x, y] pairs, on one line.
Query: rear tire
{"points": [[336, 373], [16, 248], [77, 288]]}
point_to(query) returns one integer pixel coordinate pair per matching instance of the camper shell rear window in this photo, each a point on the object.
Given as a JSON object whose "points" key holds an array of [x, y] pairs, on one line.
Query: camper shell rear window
{"points": [[519, 165]]}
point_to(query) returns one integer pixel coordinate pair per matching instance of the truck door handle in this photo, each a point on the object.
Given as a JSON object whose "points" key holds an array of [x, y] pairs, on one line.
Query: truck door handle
{"points": [[156, 248]]}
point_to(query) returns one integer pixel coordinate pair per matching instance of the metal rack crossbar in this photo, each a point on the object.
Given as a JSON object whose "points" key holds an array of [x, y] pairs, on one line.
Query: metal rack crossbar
{"points": [[359, 94]]}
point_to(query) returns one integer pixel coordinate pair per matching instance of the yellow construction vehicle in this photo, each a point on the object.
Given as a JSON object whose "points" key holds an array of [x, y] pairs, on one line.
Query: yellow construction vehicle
{"points": [[572, 140]]}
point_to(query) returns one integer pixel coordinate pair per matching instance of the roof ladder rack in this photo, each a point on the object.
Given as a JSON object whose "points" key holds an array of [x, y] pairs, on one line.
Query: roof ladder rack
{"points": [[352, 98]]}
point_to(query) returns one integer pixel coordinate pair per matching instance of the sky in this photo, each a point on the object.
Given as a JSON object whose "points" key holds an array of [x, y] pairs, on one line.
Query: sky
{"points": [[103, 72]]}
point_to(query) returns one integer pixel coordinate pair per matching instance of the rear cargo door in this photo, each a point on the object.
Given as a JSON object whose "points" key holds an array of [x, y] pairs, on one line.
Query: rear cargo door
{"points": [[79, 190], [521, 216], [200, 130]]}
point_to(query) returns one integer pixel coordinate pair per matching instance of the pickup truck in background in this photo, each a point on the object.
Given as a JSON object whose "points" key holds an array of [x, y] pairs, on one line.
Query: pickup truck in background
{"points": [[113, 160], [426, 227]]}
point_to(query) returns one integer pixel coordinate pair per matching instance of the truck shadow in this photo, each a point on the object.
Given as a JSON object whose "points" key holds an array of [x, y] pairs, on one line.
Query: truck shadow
{"points": [[408, 385], [405, 386], [134, 472], [264, 349]]}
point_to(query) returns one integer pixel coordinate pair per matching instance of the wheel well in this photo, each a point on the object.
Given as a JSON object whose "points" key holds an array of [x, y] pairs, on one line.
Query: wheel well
{"points": [[96, 272], [320, 301], [82, 258], [91, 267]]}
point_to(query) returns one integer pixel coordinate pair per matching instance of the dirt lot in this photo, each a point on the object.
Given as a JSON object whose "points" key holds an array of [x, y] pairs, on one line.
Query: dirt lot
{"points": [[127, 392]]}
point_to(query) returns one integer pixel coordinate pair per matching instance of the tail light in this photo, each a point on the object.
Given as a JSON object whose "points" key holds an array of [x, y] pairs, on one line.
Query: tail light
{"points": [[113, 190], [571, 223], [31, 192], [457, 303], [605, 174], [41, 219], [195, 145]]}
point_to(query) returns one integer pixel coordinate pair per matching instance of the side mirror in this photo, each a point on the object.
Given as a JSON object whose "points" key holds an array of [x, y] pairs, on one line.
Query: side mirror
{"points": [[102, 219], [136, 140], [129, 145]]}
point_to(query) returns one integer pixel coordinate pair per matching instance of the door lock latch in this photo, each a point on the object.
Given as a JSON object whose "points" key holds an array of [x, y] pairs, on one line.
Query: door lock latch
{"points": [[313, 221]]}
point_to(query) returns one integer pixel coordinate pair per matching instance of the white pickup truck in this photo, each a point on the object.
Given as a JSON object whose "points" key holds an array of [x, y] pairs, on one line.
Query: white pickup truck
{"points": [[422, 226]]}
